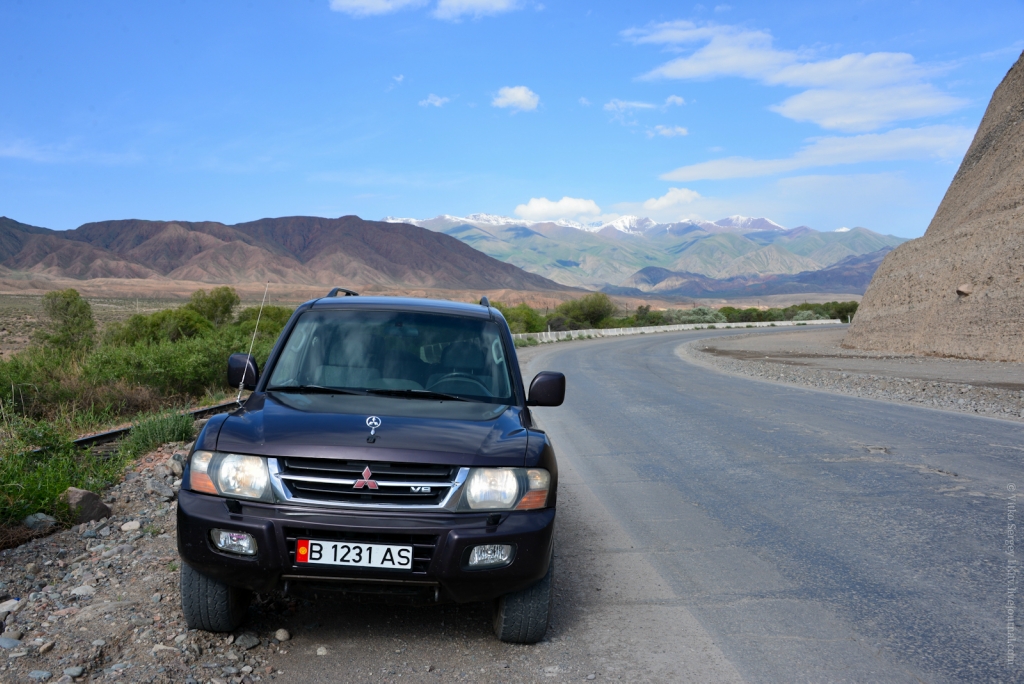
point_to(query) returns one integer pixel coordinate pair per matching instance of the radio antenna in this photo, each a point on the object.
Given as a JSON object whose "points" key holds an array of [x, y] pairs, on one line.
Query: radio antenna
{"points": [[259, 315]]}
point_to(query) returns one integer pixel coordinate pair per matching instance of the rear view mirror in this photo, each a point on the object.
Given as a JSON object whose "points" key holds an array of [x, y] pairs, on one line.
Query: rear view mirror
{"points": [[243, 366], [547, 389]]}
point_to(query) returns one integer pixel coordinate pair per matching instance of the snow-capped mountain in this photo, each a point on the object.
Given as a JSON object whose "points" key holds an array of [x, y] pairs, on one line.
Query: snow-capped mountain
{"points": [[747, 223]]}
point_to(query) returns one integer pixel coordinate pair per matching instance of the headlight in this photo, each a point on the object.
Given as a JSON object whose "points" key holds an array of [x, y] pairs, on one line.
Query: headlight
{"points": [[506, 489], [244, 476], [234, 475], [492, 488]]}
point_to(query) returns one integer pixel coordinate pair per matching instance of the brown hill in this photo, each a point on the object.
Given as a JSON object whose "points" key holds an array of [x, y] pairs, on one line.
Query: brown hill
{"points": [[297, 250], [959, 290]]}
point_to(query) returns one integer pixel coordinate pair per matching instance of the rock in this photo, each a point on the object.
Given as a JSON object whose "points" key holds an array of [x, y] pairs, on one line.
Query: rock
{"points": [[7, 643], [321, 651], [159, 488], [161, 471], [176, 468], [84, 590], [282, 635], [160, 647], [39, 521], [131, 526], [32, 568], [12, 606], [47, 647], [39, 675], [911, 305], [155, 598], [141, 621], [247, 640], [74, 671], [180, 639], [85, 505], [15, 634], [99, 642]]}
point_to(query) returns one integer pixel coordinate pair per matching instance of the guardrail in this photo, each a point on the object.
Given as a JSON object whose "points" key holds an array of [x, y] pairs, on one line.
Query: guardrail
{"points": [[545, 337]]}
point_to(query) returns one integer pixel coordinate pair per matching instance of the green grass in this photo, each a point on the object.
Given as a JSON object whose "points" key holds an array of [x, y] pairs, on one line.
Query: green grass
{"points": [[39, 461]]}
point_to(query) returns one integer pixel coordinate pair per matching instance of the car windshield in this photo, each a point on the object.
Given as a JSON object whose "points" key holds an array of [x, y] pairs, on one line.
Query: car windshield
{"points": [[405, 354]]}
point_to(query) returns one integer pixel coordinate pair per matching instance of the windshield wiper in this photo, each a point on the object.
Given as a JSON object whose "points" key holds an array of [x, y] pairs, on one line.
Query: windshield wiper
{"points": [[417, 394], [311, 389]]}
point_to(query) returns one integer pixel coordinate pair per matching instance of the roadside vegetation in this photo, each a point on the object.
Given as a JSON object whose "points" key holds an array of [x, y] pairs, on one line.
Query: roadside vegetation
{"points": [[74, 378], [598, 311]]}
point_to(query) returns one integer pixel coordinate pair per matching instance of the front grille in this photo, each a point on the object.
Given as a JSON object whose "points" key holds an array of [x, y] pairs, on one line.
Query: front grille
{"points": [[335, 480], [423, 545]]}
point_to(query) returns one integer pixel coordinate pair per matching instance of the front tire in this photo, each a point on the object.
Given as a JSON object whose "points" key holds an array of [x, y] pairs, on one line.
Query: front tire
{"points": [[521, 617], [209, 604]]}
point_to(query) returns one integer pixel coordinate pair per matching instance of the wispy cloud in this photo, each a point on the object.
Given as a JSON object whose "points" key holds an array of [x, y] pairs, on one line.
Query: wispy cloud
{"points": [[667, 131], [541, 208], [674, 100], [622, 106], [856, 92], [518, 98], [454, 10], [367, 8], [928, 142], [585, 102], [70, 152], [433, 100]]}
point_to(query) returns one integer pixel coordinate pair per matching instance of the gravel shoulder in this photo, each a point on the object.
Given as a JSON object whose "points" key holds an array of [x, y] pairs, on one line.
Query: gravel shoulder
{"points": [[101, 601], [814, 358]]}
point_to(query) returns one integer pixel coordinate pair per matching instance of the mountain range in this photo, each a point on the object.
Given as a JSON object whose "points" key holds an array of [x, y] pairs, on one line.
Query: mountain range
{"points": [[603, 255], [297, 250]]}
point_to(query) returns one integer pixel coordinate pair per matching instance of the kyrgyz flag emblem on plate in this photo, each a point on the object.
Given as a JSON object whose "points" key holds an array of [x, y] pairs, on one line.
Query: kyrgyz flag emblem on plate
{"points": [[302, 551]]}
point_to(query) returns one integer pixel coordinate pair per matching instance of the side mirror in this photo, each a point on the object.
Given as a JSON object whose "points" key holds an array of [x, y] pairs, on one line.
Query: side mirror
{"points": [[547, 389], [243, 366]]}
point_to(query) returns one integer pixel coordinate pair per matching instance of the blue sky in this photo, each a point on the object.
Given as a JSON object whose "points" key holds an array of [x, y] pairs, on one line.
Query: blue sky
{"points": [[824, 114]]}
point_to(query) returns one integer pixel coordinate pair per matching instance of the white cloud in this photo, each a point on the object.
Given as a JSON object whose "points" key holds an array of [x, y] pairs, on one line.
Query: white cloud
{"points": [[585, 102], [434, 101], [621, 106], [399, 78], [541, 208], [928, 142], [457, 9], [674, 100], [856, 92], [516, 97], [673, 198], [365, 8], [667, 131], [723, 8]]}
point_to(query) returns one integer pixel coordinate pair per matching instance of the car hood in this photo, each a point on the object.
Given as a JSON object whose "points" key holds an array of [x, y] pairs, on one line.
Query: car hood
{"points": [[410, 430]]}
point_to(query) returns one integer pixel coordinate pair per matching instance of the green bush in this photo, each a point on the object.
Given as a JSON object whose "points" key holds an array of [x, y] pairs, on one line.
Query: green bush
{"points": [[522, 318], [150, 432], [590, 311], [169, 325], [71, 325], [215, 306]]}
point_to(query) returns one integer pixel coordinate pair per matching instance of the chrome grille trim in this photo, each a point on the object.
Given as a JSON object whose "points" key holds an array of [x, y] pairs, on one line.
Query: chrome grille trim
{"points": [[281, 493]]}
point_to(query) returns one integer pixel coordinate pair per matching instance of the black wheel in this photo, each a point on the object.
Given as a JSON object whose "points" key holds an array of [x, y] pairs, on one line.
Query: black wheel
{"points": [[522, 616], [209, 604]]}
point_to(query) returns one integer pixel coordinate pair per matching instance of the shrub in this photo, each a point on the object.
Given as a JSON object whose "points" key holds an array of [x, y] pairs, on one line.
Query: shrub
{"points": [[522, 318], [149, 433], [215, 306], [808, 315], [700, 314], [169, 325], [71, 325], [587, 312]]}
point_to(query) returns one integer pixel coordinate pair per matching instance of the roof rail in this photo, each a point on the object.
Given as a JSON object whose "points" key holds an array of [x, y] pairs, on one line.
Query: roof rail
{"points": [[485, 302], [348, 293]]}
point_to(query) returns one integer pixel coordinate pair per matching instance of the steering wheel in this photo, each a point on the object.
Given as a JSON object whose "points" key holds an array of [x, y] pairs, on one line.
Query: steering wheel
{"points": [[460, 379]]}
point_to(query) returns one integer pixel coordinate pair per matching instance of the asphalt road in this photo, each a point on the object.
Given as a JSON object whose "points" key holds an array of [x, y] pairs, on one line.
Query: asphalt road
{"points": [[719, 528]]}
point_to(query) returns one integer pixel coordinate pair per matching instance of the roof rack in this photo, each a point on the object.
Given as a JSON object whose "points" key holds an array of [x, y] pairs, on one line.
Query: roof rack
{"points": [[485, 302], [348, 293]]}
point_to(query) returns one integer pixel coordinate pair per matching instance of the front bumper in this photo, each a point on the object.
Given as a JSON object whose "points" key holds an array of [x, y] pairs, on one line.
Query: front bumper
{"points": [[441, 542]]}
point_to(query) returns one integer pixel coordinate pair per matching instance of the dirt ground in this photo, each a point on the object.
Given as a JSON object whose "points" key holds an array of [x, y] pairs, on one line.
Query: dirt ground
{"points": [[814, 358]]}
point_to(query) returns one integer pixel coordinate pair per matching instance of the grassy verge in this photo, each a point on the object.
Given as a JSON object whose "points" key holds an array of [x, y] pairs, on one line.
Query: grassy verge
{"points": [[39, 461]]}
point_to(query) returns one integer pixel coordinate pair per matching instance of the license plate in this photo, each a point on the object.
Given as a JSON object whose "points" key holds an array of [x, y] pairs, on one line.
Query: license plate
{"points": [[317, 552]]}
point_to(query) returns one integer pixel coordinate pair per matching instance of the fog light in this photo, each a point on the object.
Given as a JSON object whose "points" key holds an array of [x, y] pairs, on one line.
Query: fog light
{"points": [[234, 542], [490, 555]]}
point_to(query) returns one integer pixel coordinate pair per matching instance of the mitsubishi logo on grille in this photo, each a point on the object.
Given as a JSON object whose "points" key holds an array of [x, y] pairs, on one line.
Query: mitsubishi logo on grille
{"points": [[372, 484]]}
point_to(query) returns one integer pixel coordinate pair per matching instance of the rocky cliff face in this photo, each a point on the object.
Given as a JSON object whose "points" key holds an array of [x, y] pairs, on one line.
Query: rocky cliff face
{"points": [[959, 290]]}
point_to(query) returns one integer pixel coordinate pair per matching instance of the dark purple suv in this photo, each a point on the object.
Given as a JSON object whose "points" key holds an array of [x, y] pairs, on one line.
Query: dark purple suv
{"points": [[387, 452]]}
